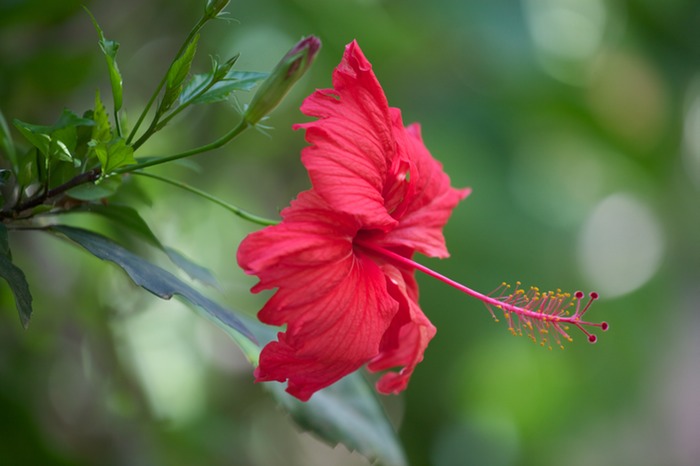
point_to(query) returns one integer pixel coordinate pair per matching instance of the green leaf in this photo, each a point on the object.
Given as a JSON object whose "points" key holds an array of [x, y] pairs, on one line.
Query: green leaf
{"points": [[194, 270], [36, 135], [236, 81], [176, 75], [246, 80], [7, 145], [16, 279], [113, 155], [196, 85], [67, 137], [70, 119], [151, 277], [109, 49], [119, 153], [28, 167], [201, 82], [219, 91], [347, 412], [129, 218], [124, 216], [60, 150], [55, 141], [102, 131]]}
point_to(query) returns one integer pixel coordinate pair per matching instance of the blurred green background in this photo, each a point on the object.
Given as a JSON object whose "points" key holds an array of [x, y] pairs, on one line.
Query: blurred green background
{"points": [[577, 124]]}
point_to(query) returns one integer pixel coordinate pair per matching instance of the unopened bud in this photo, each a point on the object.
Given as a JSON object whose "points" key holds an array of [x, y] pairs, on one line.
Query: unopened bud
{"points": [[288, 71], [214, 7]]}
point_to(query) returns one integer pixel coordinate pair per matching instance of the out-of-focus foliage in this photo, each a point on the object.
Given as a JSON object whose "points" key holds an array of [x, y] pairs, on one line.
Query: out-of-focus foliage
{"points": [[576, 123]]}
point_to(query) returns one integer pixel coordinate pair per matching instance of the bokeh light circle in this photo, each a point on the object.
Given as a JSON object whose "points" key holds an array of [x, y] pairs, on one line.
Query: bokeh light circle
{"points": [[621, 245]]}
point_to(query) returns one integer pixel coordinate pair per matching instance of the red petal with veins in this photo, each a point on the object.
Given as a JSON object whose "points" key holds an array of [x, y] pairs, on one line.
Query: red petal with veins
{"points": [[406, 338], [429, 204], [352, 145], [335, 302]]}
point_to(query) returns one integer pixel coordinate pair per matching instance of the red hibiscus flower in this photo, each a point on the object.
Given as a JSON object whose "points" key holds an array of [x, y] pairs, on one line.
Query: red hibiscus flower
{"points": [[341, 259]]}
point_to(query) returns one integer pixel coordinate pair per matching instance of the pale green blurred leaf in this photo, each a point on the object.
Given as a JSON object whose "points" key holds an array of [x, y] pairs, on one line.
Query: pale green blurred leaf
{"points": [[347, 412]]}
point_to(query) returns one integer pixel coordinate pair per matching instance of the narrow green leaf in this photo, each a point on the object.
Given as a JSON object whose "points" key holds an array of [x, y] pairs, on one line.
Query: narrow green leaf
{"points": [[109, 49], [200, 83], [7, 145], [151, 277], [347, 412], [192, 269], [130, 219], [16, 279], [176, 75], [124, 216], [246, 80], [195, 86], [236, 81]]}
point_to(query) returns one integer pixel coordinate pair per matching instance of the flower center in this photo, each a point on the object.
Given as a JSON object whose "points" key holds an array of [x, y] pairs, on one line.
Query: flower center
{"points": [[536, 312]]}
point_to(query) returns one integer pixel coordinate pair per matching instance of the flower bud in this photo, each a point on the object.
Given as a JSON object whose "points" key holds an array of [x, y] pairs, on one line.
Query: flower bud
{"points": [[214, 7], [288, 71]]}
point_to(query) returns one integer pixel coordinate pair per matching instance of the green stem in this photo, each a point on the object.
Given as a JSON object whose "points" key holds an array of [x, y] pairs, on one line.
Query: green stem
{"points": [[242, 126], [182, 107], [230, 207], [153, 98], [117, 124]]}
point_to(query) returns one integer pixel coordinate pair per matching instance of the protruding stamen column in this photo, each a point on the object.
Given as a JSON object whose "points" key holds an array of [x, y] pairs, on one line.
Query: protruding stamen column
{"points": [[536, 311]]}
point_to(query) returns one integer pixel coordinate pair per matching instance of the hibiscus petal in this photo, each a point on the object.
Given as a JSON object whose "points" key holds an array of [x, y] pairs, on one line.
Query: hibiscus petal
{"points": [[334, 302], [406, 338], [428, 204], [352, 144]]}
